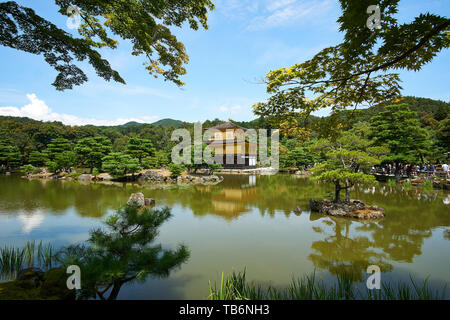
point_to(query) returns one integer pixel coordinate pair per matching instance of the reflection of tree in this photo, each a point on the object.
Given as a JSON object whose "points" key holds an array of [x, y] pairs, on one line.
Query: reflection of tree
{"points": [[123, 253], [410, 219], [340, 253], [447, 234]]}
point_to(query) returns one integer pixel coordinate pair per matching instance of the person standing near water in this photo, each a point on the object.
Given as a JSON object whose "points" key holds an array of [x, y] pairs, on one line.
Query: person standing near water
{"points": [[445, 169]]}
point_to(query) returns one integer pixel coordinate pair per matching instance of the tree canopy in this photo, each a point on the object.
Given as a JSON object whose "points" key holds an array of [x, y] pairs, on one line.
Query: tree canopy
{"points": [[347, 161], [399, 129], [145, 23], [360, 69]]}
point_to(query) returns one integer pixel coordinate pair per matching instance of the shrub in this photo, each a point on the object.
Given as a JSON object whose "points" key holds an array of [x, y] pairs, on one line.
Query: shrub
{"points": [[175, 170]]}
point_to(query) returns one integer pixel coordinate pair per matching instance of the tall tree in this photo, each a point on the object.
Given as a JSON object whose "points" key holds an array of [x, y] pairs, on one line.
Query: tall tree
{"points": [[399, 129], [9, 155], [91, 151], [58, 146], [140, 148], [145, 23]]}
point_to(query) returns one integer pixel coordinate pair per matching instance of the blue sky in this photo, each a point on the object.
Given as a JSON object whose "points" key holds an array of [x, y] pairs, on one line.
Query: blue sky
{"points": [[246, 39]]}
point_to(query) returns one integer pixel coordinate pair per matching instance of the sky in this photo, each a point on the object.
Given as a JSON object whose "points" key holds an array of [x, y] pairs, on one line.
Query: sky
{"points": [[245, 40]]}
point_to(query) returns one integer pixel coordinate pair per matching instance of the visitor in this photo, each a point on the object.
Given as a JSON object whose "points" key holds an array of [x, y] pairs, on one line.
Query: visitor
{"points": [[432, 169], [408, 170], [445, 170]]}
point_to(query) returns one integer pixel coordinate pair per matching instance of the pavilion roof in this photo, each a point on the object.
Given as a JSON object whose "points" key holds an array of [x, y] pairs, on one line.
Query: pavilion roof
{"points": [[227, 125]]}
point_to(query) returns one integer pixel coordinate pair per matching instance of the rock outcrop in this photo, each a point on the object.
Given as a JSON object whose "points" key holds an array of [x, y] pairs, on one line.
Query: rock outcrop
{"points": [[139, 200], [355, 209]]}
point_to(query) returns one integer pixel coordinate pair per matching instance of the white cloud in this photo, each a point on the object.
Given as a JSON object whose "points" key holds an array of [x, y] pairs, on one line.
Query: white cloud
{"points": [[38, 110], [288, 12], [233, 110]]}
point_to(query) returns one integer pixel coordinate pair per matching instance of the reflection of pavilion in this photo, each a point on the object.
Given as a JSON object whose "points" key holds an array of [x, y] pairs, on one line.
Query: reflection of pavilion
{"points": [[231, 202]]}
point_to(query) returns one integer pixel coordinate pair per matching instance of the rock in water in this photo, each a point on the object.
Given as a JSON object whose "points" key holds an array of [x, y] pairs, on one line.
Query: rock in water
{"points": [[137, 200], [85, 177], [149, 202], [353, 209]]}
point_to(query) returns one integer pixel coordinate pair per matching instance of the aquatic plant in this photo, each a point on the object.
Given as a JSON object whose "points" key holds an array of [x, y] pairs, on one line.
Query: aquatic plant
{"points": [[236, 287], [12, 259]]}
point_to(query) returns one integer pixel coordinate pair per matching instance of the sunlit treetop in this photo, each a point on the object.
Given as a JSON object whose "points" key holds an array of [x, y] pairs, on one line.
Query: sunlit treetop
{"points": [[145, 23]]}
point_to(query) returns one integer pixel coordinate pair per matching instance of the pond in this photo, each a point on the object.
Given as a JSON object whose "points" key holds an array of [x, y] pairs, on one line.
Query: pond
{"points": [[245, 222]]}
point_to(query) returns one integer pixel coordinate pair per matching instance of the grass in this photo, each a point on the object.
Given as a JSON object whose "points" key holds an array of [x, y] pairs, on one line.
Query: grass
{"points": [[407, 185], [427, 185], [12, 260], [391, 182], [236, 287]]}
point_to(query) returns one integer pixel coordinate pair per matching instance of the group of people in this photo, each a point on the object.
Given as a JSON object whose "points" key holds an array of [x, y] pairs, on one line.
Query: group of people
{"points": [[414, 169]]}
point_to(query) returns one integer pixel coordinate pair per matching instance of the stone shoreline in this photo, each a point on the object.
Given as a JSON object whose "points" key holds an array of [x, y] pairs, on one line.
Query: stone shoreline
{"points": [[355, 209], [160, 176]]}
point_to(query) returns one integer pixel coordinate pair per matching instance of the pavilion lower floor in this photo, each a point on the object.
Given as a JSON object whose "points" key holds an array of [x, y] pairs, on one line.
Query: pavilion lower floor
{"points": [[237, 161]]}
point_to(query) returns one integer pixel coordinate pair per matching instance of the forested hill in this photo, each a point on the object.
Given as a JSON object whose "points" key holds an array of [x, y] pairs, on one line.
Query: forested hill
{"points": [[437, 108]]}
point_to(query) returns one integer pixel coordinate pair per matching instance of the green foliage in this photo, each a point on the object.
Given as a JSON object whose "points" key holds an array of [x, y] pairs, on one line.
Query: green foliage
{"points": [[347, 160], [37, 158], [140, 148], [159, 159], [56, 147], [119, 164], [355, 71], [90, 151], [145, 24], [62, 161], [27, 169], [203, 163], [9, 154], [175, 170], [123, 252], [399, 129], [427, 185]]}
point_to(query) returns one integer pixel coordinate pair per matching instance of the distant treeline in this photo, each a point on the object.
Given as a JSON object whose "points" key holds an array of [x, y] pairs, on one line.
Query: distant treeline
{"points": [[21, 139]]}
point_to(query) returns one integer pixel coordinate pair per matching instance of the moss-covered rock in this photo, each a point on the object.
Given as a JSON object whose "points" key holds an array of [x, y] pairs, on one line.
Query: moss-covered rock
{"points": [[54, 285], [33, 285]]}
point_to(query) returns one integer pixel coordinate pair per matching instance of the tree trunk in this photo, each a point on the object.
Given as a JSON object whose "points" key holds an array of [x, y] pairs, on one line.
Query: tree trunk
{"points": [[91, 170], [347, 191], [115, 291], [337, 190]]}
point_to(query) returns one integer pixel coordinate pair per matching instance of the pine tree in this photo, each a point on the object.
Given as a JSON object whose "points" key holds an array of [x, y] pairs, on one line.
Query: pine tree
{"points": [[348, 159], [140, 148], [399, 129], [123, 253], [91, 151]]}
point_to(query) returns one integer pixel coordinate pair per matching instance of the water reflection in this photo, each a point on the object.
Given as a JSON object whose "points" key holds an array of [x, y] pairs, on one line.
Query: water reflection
{"points": [[258, 211], [31, 220]]}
